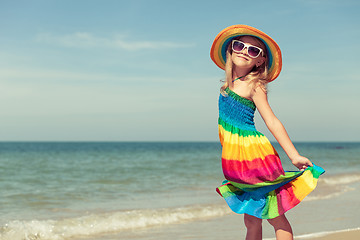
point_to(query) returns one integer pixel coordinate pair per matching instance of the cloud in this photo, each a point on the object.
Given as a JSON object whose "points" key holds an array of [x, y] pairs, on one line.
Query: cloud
{"points": [[36, 75], [86, 40], [21, 75]]}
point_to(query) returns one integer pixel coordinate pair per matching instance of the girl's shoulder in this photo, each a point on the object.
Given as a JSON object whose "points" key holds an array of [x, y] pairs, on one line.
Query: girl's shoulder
{"points": [[258, 89]]}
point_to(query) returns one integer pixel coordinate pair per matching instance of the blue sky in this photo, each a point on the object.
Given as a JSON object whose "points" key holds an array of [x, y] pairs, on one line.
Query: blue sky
{"points": [[140, 70]]}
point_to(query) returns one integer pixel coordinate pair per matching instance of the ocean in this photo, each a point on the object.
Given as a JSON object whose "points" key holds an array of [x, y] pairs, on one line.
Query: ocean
{"points": [[154, 190]]}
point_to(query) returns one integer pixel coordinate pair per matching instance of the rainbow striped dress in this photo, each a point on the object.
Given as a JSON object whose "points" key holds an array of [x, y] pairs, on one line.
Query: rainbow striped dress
{"points": [[256, 183]]}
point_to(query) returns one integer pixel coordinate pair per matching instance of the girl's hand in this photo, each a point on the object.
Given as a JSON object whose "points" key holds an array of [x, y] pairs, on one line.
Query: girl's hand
{"points": [[301, 162]]}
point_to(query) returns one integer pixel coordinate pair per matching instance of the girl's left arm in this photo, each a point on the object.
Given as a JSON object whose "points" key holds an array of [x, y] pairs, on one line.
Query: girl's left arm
{"points": [[278, 130]]}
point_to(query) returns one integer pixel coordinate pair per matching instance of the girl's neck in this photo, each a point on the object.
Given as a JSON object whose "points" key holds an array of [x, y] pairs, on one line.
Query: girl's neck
{"points": [[240, 73]]}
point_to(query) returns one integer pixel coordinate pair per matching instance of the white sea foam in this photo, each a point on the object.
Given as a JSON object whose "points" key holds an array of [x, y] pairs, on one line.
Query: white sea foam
{"points": [[341, 179], [319, 234], [106, 223], [329, 195]]}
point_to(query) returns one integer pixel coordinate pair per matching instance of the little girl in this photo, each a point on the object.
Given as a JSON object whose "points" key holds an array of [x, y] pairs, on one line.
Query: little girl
{"points": [[256, 184]]}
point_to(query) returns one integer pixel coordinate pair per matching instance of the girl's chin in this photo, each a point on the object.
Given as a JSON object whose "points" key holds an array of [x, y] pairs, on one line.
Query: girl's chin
{"points": [[242, 64]]}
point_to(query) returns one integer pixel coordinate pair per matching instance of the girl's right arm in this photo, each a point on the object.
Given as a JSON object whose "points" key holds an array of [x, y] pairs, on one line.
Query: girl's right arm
{"points": [[278, 130]]}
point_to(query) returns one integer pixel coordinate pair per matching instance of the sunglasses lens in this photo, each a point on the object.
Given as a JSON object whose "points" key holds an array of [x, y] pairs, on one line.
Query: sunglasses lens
{"points": [[238, 46], [253, 51]]}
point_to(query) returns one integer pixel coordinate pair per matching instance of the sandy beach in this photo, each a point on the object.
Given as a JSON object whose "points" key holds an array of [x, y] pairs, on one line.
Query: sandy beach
{"points": [[346, 234]]}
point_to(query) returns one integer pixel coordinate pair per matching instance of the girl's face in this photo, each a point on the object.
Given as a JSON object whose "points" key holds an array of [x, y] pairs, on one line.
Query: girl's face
{"points": [[242, 59]]}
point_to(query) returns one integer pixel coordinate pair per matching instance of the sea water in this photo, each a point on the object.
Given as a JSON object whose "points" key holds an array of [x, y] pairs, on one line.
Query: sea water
{"points": [[95, 190]]}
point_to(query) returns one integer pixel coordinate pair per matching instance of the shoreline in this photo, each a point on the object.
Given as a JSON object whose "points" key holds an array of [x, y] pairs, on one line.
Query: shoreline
{"points": [[349, 234]]}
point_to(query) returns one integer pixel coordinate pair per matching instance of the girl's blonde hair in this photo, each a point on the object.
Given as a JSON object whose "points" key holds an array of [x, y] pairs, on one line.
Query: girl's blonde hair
{"points": [[258, 76]]}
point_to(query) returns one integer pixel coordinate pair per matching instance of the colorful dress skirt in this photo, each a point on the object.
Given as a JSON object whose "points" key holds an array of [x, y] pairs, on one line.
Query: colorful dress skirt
{"points": [[256, 183]]}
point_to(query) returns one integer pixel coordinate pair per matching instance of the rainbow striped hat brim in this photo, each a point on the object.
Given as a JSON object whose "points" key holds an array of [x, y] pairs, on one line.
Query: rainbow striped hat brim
{"points": [[223, 39]]}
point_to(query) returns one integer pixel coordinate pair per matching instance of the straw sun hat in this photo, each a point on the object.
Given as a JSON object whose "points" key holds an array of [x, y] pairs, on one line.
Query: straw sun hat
{"points": [[224, 38]]}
